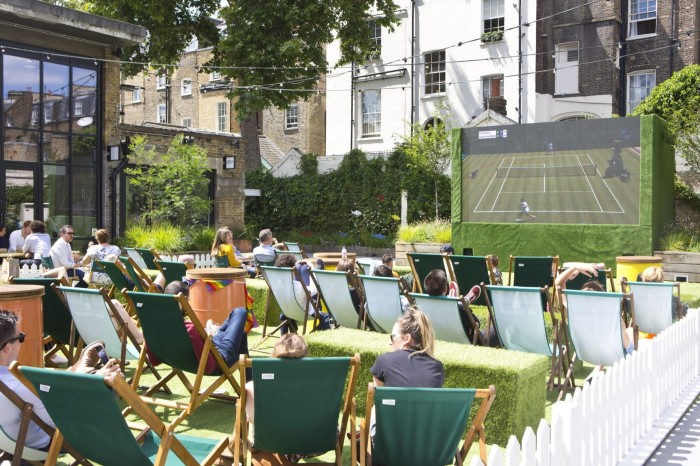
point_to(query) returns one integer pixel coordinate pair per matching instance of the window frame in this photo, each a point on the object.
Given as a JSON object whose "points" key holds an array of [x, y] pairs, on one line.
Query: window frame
{"points": [[630, 77], [500, 25], [183, 122], [222, 118], [430, 85], [375, 37], [136, 95], [161, 81], [214, 76], [372, 118], [291, 117], [185, 86], [162, 110], [632, 24], [490, 79]]}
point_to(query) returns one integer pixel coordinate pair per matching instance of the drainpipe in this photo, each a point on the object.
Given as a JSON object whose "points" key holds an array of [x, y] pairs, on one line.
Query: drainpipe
{"points": [[520, 62], [673, 37], [113, 181], [352, 105], [622, 81], [414, 88]]}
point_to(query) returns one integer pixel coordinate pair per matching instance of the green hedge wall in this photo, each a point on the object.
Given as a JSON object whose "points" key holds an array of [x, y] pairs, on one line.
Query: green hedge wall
{"points": [[257, 288], [520, 378]]}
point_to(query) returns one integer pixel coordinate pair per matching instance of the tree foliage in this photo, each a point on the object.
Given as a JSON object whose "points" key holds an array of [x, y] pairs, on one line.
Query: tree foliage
{"points": [[173, 184]]}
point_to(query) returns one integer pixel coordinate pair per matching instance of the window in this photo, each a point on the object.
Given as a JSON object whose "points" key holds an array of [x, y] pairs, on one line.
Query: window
{"points": [[566, 68], [493, 14], [291, 117], [187, 122], [371, 114], [215, 76], [639, 86], [161, 81], [434, 72], [78, 108], [161, 115], [221, 120], [375, 37], [642, 18], [492, 86], [186, 87], [192, 46], [136, 95]]}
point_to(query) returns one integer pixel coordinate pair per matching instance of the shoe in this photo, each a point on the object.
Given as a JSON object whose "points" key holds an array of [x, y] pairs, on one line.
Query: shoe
{"points": [[59, 359], [473, 294], [88, 359]]}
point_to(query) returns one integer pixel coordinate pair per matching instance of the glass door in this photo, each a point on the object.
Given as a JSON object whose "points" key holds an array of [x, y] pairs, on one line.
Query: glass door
{"points": [[20, 201]]}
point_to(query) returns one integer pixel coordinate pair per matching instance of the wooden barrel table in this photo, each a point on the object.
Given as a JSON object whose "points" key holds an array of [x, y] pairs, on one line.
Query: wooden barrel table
{"points": [[25, 301], [216, 292], [331, 259]]}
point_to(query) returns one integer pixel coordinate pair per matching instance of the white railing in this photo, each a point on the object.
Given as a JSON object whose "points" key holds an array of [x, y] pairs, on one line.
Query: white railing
{"points": [[201, 261], [602, 421], [31, 271]]}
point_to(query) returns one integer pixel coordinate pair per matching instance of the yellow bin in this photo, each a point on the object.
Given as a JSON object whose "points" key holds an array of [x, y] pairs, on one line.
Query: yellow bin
{"points": [[631, 266]]}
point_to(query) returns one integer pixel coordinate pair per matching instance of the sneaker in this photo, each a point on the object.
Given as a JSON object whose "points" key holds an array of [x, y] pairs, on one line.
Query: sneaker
{"points": [[473, 294]]}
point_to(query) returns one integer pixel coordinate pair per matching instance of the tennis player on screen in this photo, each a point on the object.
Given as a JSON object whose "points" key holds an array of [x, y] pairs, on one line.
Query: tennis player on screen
{"points": [[525, 209]]}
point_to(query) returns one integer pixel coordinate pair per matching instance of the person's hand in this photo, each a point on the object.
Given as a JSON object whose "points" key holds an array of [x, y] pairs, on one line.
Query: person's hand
{"points": [[91, 244], [589, 270], [110, 370]]}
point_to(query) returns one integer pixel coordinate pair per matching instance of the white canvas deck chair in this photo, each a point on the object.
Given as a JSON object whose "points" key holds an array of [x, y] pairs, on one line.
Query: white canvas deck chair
{"points": [[280, 283], [366, 266], [382, 301], [594, 325], [653, 305], [335, 293], [444, 313], [518, 315]]}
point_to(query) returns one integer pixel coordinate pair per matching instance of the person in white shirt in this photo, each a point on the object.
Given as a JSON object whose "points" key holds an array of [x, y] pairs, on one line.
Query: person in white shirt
{"points": [[62, 256], [266, 252], [18, 237], [37, 244]]}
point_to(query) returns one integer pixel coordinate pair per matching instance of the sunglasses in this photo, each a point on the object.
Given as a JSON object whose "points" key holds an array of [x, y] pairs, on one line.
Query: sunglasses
{"points": [[393, 337], [19, 338]]}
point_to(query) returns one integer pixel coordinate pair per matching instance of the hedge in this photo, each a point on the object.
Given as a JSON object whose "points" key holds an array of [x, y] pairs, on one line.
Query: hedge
{"points": [[257, 288], [520, 378]]}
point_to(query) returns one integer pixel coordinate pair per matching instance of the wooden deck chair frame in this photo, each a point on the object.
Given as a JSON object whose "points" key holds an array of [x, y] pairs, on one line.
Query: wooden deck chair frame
{"points": [[97, 268], [258, 263], [59, 328], [419, 273], [448, 325], [138, 276], [338, 302], [293, 274], [137, 300], [22, 453], [512, 271], [169, 441], [465, 271], [171, 269], [242, 447], [531, 322], [648, 309], [382, 301], [475, 431], [294, 248]]}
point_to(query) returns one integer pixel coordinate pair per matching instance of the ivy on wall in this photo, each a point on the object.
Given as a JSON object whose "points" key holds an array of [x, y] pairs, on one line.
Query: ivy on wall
{"points": [[362, 197]]}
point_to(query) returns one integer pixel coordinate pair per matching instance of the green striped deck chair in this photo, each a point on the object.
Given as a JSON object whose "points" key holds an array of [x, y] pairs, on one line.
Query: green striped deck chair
{"points": [[423, 426], [421, 265], [161, 317], [47, 262], [532, 270], [149, 257], [117, 273], [88, 417], [446, 316], [581, 279], [307, 425], [382, 301], [518, 315], [58, 322], [259, 263], [468, 271], [172, 271], [142, 282], [653, 305], [335, 293]]}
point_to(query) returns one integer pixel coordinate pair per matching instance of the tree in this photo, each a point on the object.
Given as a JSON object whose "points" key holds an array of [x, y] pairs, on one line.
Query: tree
{"points": [[429, 149], [174, 184], [275, 51], [677, 101]]}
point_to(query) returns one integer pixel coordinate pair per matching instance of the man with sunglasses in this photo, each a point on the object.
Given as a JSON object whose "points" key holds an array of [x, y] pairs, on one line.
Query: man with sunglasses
{"points": [[10, 416], [62, 256]]}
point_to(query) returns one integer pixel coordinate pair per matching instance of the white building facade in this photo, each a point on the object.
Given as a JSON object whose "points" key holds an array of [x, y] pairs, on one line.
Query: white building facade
{"points": [[469, 56]]}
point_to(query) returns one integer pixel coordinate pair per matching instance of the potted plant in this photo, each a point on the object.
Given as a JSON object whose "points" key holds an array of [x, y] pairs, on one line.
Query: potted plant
{"points": [[492, 36], [425, 236]]}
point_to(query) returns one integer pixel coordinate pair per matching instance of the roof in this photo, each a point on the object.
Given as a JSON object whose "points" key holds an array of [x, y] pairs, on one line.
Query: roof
{"points": [[269, 151]]}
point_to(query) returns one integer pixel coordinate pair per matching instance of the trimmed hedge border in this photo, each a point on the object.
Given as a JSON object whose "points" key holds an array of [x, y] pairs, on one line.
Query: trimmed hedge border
{"points": [[520, 378]]}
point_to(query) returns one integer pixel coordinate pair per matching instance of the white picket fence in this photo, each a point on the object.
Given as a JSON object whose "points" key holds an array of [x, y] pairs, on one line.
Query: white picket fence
{"points": [[201, 261], [601, 422]]}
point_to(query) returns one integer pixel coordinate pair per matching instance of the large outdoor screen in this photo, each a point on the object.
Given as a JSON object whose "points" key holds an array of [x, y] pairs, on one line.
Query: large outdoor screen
{"points": [[575, 172]]}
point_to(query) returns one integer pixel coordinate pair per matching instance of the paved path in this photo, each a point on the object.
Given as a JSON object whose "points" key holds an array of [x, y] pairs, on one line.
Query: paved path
{"points": [[682, 445]]}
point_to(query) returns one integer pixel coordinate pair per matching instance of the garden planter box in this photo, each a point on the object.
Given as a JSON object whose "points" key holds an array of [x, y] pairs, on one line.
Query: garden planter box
{"points": [[680, 266], [402, 248]]}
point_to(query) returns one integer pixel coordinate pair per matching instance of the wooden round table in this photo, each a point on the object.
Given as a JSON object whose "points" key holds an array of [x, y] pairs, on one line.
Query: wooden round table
{"points": [[212, 297], [25, 301]]}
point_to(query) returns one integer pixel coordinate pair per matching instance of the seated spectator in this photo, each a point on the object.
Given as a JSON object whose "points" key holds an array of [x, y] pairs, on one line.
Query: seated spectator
{"points": [[656, 274], [10, 415], [348, 265], [265, 252], [388, 261], [497, 274], [101, 251], [591, 270], [436, 284], [223, 246], [4, 239], [37, 244], [447, 249], [18, 237], [62, 256], [303, 267], [383, 271], [229, 338]]}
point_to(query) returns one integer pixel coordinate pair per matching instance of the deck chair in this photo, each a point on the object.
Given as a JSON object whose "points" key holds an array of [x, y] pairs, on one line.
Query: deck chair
{"points": [[87, 415], [468, 271], [47, 262], [604, 275], [149, 257], [445, 315], [366, 266], [172, 271], [294, 248], [333, 288], [382, 304], [593, 321], [258, 263], [164, 331], [134, 254], [142, 282], [653, 305], [318, 383], [421, 265], [117, 274], [222, 261], [423, 426], [532, 271], [518, 314], [58, 322], [280, 284], [97, 268]]}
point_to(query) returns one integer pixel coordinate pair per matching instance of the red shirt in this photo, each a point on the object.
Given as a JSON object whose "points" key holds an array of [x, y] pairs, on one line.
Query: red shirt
{"points": [[197, 347]]}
